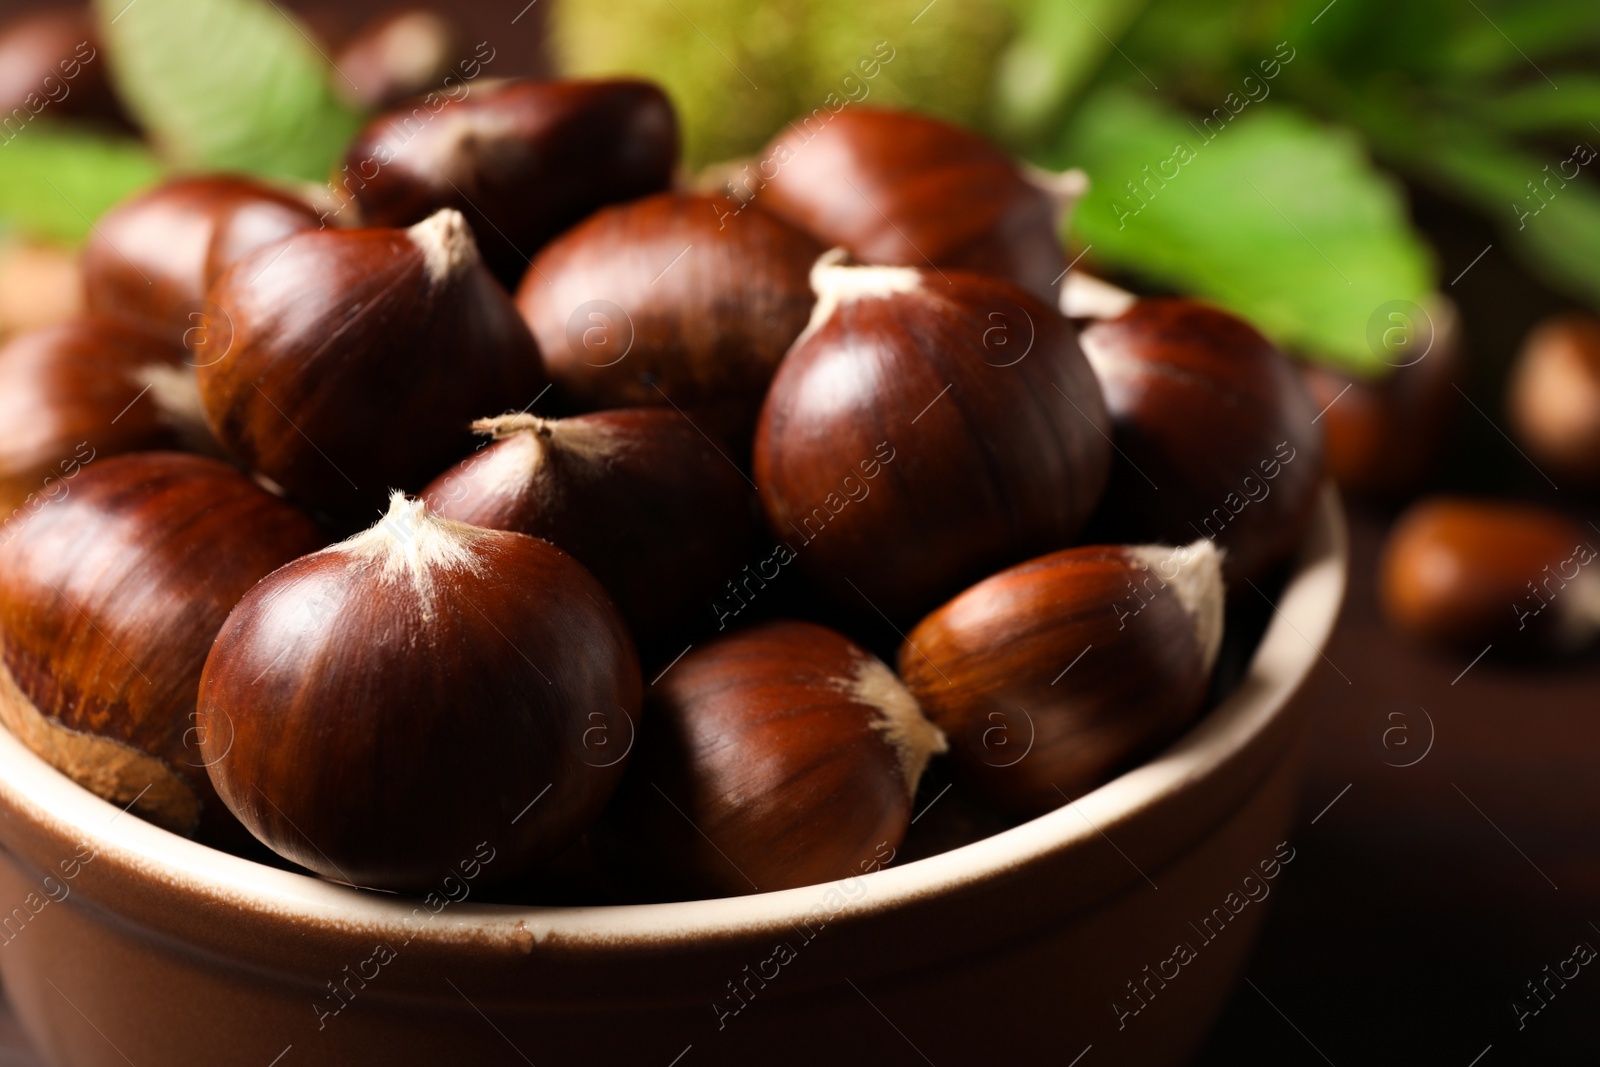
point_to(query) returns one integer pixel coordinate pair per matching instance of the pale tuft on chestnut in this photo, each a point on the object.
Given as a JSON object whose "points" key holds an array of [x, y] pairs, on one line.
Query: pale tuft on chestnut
{"points": [[395, 702], [1055, 674], [638, 495], [780, 756], [925, 429], [359, 358]]}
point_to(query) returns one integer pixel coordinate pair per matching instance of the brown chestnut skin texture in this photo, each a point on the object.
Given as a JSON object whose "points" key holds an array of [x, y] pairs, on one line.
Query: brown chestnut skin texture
{"points": [[1384, 435], [399, 54], [153, 257], [1466, 573], [660, 302], [1213, 432], [110, 597], [927, 430], [901, 189], [83, 390], [417, 696], [1052, 675], [52, 64], [359, 358], [779, 756], [1554, 397], [522, 160], [638, 495]]}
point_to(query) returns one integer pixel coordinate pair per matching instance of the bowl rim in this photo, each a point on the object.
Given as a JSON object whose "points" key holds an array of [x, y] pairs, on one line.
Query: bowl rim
{"points": [[1303, 619]]}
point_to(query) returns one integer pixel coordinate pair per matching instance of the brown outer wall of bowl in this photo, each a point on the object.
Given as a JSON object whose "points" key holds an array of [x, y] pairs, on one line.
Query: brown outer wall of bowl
{"points": [[1010, 950]]}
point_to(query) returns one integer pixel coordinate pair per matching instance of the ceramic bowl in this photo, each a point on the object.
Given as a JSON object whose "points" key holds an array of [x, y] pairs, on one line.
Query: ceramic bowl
{"points": [[1110, 930]]}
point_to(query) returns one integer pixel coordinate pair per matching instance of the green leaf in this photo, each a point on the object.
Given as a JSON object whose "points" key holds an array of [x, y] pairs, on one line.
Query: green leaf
{"points": [[1274, 216], [1058, 48], [54, 181], [227, 84]]}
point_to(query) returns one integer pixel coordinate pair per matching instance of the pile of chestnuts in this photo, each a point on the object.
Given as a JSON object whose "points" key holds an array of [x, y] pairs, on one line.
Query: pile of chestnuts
{"points": [[667, 532]]}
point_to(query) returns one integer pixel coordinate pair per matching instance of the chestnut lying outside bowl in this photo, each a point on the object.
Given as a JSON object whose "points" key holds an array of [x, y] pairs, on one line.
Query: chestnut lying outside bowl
{"points": [[122, 943]]}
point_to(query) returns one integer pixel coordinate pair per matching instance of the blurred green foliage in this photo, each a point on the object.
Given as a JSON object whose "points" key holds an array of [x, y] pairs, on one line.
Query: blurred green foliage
{"points": [[1276, 216], [737, 70], [227, 85], [59, 180]]}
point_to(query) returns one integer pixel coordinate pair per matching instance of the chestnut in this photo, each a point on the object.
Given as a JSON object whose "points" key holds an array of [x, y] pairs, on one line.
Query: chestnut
{"points": [[1468, 573], [1385, 434], [401, 53], [403, 701], [664, 301], [639, 496], [925, 430], [900, 189], [1214, 434], [359, 358], [110, 597], [52, 64], [82, 390], [1554, 396], [779, 756], [153, 257], [1050, 676], [522, 160]]}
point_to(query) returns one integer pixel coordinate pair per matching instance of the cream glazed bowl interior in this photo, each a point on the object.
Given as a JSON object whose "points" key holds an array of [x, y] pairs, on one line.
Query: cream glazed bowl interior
{"points": [[1119, 922]]}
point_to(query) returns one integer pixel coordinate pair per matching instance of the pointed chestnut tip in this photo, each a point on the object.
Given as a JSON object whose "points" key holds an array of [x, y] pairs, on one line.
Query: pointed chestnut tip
{"points": [[835, 281], [1194, 571], [901, 722], [1066, 188], [446, 242], [501, 427], [1083, 296], [412, 542]]}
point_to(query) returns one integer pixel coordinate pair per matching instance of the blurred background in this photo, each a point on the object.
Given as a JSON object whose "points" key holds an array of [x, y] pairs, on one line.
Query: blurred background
{"points": [[1399, 194]]}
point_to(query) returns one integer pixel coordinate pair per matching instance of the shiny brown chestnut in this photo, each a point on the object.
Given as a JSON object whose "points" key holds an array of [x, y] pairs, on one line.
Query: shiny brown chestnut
{"points": [[1554, 396], [926, 429], [110, 597], [152, 258], [522, 160], [1467, 573], [423, 695], [1214, 434], [1050, 676], [401, 53], [83, 390], [665, 301], [900, 189], [639, 496], [51, 64], [1384, 434], [359, 358], [776, 757]]}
